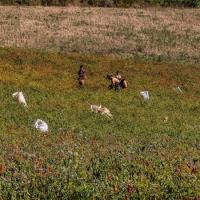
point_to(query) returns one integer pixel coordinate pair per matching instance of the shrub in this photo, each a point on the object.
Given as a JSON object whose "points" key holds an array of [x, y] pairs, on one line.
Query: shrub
{"points": [[107, 3]]}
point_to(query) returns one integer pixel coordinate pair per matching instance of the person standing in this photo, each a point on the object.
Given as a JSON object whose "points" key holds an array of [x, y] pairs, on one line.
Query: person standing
{"points": [[82, 75]]}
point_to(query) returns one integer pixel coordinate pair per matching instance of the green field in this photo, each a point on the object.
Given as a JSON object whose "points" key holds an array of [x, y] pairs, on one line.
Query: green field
{"points": [[136, 155]]}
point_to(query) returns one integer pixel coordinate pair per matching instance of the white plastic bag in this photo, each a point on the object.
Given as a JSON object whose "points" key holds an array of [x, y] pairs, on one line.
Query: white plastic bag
{"points": [[105, 111], [95, 108], [19, 96], [41, 125], [145, 95], [101, 110]]}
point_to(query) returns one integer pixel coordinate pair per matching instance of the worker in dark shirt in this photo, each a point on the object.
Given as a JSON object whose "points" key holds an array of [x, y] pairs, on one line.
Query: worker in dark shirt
{"points": [[81, 75]]}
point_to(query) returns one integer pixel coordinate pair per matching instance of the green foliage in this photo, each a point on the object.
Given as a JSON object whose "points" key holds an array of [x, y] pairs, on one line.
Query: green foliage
{"points": [[136, 155]]}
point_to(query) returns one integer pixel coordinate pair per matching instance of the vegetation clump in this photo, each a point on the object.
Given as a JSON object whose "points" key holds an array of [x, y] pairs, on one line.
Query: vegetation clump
{"points": [[105, 3]]}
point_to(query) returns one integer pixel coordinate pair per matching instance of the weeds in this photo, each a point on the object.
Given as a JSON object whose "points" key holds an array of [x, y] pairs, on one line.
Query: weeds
{"points": [[136, 155]]}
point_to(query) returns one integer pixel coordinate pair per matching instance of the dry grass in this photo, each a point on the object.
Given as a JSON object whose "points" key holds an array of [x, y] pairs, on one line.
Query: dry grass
{"points": [[147, 32]]}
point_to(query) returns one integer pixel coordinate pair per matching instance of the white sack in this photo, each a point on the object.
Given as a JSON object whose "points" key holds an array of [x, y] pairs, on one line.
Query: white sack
{"points": [[105, 111], [19, 96], [41, 125], [95, 108], [101, 110], [145, 95]]}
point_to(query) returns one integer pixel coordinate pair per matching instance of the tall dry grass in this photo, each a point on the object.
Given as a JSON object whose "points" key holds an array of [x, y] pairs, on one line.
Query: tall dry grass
{"points": [[161, 32]]}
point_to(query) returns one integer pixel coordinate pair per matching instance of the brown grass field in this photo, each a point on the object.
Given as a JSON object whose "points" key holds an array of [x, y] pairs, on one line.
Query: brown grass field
{"points": [[152, 32]]}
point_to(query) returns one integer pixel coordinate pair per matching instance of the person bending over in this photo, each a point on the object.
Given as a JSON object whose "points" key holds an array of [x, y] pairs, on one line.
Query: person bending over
{"points": [[116, 83]]}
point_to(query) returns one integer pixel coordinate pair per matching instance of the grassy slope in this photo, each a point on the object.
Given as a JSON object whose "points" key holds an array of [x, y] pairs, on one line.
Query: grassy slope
{"points": [[135, 155]]}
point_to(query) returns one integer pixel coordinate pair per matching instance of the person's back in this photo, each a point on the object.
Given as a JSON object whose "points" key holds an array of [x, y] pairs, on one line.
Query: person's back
{"points": [[118, 76], [117, 82], [114, 81], [123, 82]]}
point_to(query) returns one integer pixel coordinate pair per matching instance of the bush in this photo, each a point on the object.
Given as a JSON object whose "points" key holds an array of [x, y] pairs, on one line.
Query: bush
{"points": [[101, 3], [180, 3], [107, 3]]}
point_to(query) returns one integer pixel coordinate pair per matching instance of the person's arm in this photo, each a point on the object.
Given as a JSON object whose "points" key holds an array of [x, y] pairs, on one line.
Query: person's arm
{"points": [[112, 81]]}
